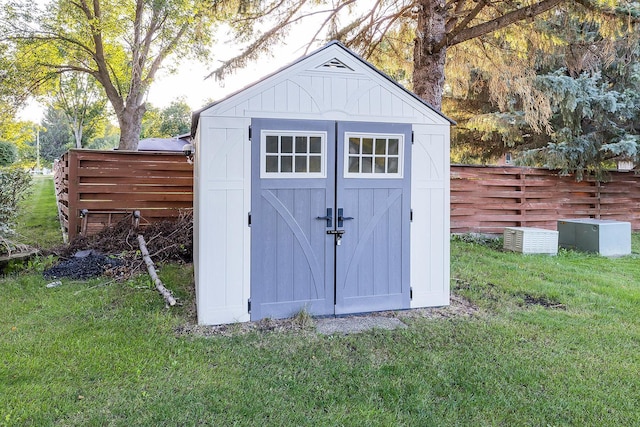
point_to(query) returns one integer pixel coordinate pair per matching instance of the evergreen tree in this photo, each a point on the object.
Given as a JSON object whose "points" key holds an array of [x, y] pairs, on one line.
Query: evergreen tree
{"points": [[587, 83], [56, 138]]}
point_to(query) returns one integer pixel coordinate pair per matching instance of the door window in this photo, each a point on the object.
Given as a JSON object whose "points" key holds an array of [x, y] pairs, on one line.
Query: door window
{"points": [[292, 154], [373, 155]]}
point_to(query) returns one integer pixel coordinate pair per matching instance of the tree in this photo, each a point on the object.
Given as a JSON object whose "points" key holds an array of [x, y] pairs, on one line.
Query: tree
{"points": [[56, 137], [8, 153], [589, 81], [491, 52], [79, 97], [106, 139], [122, 45], [596, 117], [151, 122], [14, 186], [18, 78], [22, 134], [436, 26], [174, 120]]}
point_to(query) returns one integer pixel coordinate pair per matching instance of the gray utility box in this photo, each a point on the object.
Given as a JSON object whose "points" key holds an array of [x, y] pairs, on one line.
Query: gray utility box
{"points": [[606, 237]]}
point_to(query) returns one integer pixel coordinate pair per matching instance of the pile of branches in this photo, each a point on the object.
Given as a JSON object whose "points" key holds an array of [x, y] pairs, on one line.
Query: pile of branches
{"points": [[166, 241]]}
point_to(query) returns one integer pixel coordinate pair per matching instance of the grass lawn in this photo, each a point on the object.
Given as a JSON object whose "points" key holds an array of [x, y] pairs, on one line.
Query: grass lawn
{"points": [[556, 342], [38, 223]]}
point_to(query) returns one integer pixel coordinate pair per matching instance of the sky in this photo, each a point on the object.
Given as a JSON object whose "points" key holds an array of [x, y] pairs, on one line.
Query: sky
{"points": [[189, 82]]}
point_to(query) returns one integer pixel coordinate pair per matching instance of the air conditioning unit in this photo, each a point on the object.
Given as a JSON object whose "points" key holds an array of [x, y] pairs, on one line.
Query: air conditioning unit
{"points": [[603, 236], [530, 240]]}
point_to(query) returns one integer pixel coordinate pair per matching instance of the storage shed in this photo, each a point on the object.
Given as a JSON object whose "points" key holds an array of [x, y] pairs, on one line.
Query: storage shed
{"points": [[322, 187]]}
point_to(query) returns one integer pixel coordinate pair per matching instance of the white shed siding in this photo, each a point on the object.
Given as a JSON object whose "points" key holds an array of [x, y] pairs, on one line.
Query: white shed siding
{"points": [[307, 90], [430, 226], [222, 201]]}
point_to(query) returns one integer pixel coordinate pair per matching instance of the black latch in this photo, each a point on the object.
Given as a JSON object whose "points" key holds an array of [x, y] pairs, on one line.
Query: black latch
{"points": [[328, 217], [342, 218]]}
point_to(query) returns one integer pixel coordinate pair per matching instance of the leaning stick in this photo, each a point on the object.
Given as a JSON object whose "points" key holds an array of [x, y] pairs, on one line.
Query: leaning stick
{"points": [[166, 293]]}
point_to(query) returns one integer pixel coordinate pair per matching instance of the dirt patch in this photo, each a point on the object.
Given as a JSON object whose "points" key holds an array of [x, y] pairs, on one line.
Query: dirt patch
{"points": [[356, 324], [543, 302], [459, 307]]}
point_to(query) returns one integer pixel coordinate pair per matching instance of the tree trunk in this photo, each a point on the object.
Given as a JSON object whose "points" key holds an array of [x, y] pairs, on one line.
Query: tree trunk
{"points": [[130, 120], [77, 133], [429, 61]]}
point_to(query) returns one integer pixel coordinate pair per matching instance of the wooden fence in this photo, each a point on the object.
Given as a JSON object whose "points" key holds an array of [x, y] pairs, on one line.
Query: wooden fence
{"points": [[107, 185], [488, 199], [98, 188]]}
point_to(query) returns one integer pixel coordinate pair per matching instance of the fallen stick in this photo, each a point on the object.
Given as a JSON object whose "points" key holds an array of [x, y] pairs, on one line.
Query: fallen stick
{"points": [[166, 293]]}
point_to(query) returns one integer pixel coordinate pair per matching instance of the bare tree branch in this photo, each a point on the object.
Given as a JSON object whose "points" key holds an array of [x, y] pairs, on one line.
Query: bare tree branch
{"points": [[498, 23], [457, 28], [257, 47]]}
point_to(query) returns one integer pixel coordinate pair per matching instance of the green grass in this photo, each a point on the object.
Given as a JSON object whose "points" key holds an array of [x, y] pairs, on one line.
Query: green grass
{"points": [[105, 353], [38, 223]]}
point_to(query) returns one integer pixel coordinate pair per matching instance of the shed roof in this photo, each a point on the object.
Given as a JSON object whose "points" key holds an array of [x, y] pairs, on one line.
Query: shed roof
{"points": [[196, 114], [162, 144]]}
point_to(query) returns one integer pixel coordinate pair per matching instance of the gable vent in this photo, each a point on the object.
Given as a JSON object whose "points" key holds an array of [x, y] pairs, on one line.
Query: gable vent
{"points": [[335, 63]]}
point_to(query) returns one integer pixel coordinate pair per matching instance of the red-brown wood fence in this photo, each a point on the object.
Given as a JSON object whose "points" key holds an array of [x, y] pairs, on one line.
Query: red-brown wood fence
{"points": [[108, 185], [484, 199], [488, 199]]}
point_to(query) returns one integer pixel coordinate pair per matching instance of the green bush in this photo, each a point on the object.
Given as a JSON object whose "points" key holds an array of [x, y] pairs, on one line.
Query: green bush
{"points": [[14, 185], [8, 153]]}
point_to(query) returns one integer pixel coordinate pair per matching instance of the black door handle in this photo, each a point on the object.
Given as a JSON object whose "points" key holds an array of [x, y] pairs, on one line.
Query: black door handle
{"points": [[342, 218], [328, 217]]}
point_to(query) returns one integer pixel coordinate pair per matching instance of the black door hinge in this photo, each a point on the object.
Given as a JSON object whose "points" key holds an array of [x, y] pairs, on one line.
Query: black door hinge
{"points": [[249, 133], [411, 215], [412, 137], [249, 305], [249, 219], [410, 293]]}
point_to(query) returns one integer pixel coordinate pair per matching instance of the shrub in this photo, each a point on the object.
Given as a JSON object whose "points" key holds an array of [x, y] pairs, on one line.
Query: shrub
{"points": [[14, 185], [8, 153]]}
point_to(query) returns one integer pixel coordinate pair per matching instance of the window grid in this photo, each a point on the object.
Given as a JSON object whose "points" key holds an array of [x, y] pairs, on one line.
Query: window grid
{"points": [[373, 155], [289, 154]]}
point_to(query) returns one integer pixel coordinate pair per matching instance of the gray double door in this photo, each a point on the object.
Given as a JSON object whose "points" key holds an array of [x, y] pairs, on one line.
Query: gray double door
{"points": [[329, 223]]}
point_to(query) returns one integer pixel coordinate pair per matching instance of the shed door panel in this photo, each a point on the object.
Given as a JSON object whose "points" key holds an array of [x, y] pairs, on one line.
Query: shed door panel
{"points": [[290, 269], [299, 259], [373, 187]]}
